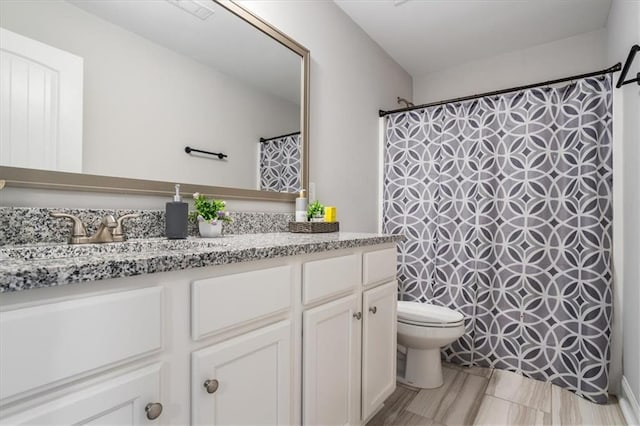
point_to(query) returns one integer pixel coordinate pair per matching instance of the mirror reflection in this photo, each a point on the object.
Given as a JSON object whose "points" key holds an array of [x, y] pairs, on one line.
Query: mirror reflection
{"points": [[121, 88]]}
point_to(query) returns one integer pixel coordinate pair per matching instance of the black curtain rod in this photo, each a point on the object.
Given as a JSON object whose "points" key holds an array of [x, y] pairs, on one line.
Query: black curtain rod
{"points": [[278, 137], [614, 68], [627, 65]]}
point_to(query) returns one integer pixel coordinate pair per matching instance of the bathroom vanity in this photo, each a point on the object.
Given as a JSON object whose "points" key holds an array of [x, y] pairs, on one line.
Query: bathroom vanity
{"points": [[269, 328], [247, 329]]}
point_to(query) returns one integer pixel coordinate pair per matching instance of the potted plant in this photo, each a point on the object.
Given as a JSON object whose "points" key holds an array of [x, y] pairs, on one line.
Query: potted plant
{"points": [[315, 212], [210, 214]]}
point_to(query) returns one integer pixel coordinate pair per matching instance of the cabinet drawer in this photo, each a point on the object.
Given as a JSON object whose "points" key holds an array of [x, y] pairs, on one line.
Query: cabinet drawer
{"points": [[120, 400], [379, 266], [328, 277], [49, 344], [228, 301]]}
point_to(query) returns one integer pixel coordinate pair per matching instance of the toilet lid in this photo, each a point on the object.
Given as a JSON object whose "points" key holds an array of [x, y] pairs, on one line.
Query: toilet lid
{"points": [[424, 313]]}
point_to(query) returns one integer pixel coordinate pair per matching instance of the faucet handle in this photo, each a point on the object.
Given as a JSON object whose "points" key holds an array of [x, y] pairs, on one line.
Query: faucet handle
{"points": [[118, 233], [79, 230], [109, 221]]}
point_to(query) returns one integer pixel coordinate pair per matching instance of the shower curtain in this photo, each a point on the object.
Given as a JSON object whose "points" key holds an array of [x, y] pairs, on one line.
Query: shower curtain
{"points": [[505, 202], [280, 164]]}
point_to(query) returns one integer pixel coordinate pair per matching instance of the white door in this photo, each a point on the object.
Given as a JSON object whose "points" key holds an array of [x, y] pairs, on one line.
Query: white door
{"points": [[378, 346], [331, 363], [244, 381], [130, 399], [40, 105]]}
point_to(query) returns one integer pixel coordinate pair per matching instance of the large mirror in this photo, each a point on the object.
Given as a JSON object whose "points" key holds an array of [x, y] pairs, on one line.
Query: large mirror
{"points": [[137, 95]]}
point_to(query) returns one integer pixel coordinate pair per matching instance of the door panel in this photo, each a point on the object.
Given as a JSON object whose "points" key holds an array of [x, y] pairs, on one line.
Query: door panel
{"points": [[41, 111], [253, 374], [378, 346], [331, 367]]}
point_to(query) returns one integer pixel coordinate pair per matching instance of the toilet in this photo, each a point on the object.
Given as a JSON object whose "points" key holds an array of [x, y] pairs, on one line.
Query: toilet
{"points": [[423, 329]]}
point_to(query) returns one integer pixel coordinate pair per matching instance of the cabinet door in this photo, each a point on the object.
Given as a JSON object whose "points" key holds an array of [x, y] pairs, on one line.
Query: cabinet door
{"points": [[248, 379], [122, 400], [331, 363], [378, 346]]}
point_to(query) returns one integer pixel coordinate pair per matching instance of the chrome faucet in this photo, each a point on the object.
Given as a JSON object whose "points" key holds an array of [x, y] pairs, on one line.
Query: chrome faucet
{"points": [[103, 234], [108, 231]]}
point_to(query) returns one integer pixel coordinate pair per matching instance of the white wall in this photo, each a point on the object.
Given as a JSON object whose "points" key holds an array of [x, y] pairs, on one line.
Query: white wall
{"points": [[570, 56], [351, 78], [143, 103], [623, 30]]}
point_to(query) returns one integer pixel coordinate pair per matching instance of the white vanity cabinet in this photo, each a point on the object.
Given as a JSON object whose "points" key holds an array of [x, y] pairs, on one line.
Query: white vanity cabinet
{"points": [[307, 339], [349, 343], [246, 379]]}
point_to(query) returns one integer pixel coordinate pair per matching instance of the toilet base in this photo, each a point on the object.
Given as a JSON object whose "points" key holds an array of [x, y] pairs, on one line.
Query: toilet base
{"points": [[424, 368]]}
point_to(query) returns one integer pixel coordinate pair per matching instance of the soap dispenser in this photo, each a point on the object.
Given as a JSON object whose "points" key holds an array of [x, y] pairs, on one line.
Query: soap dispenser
{"points": [[177, 217]]}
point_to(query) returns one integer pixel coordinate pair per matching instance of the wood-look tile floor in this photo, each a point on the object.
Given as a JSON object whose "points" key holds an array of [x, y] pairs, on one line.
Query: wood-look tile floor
{"points": [[481, 396]]}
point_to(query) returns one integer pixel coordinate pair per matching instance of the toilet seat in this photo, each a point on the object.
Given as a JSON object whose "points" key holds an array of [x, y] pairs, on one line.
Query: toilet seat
{"points": [[426, 315]]}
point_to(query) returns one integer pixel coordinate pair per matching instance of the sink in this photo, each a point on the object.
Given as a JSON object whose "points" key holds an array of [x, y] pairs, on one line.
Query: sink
{"points": [[141, 246]]}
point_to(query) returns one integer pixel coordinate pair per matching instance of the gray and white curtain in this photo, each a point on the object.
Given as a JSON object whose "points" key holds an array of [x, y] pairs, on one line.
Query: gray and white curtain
{"points": [[280, 164], [506, 206]]}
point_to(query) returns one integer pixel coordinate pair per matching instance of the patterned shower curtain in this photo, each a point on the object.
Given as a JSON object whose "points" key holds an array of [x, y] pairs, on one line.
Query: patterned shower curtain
{"points": [[280, 164], [506, 205]]}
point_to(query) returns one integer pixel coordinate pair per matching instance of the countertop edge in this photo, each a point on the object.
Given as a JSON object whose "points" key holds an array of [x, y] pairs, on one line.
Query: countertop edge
{"points": [[27, 275]]}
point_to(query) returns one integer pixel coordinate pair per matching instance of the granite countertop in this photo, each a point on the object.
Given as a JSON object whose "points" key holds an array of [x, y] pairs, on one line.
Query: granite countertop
{"points": [[47, 265]]}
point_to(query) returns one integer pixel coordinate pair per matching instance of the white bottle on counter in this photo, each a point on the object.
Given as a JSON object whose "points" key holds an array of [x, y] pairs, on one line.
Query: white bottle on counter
{"points": [[301, 208]]}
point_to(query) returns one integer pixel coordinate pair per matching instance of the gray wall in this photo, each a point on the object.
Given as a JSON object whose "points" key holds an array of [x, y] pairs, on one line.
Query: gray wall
{"points": [[351, 78], [570, 56], [623, 30]]}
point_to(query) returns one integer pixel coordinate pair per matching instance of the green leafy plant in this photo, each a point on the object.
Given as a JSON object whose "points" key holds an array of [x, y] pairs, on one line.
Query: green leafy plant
{"points": [[209, 210], [315, 209]]}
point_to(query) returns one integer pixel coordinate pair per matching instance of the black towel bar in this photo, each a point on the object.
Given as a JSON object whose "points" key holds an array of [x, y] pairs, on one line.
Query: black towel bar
{"points": [[220, 155]]}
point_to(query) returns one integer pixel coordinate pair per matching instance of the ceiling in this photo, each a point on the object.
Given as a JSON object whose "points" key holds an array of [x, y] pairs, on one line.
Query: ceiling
{"points": [[430, 35]]}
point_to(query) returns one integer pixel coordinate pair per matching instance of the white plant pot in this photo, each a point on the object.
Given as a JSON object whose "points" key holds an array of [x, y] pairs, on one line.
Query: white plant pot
{"points": [[208, 230]]}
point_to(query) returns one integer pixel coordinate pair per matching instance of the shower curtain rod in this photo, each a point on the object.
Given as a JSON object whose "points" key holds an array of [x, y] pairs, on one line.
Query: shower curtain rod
{"points": [[616, 67], [278, 137]]}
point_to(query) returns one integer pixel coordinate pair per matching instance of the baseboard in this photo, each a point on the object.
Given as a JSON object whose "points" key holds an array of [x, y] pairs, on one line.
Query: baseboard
{"points": [[372, 415], [629, 404]]}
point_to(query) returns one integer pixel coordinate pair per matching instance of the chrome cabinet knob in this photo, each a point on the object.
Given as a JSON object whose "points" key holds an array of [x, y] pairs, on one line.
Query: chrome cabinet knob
{"points": [[211, 385], [153, 410], [357, 315], [373, 309]]}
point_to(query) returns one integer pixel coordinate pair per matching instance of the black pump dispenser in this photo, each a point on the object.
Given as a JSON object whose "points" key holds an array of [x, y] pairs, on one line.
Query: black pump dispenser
{"points": [[176, 217]]}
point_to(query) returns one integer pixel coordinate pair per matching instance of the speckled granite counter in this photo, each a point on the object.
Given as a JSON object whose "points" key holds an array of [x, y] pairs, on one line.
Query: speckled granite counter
{"points": [[35, 266]]}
